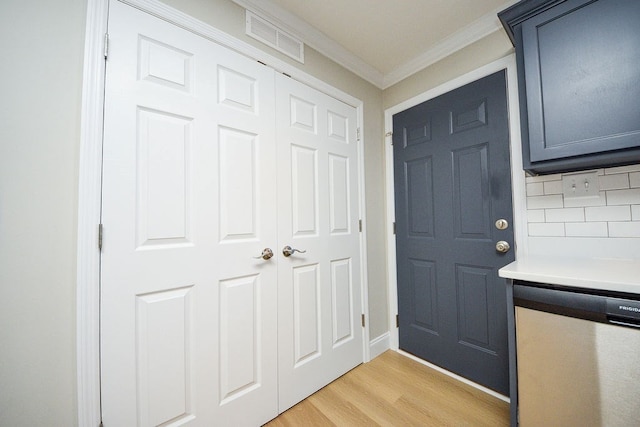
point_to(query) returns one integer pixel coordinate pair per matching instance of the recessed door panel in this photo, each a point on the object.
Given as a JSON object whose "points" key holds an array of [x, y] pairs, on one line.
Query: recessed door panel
{"points": [[418, 178], [303, 115], [475, 300], [164, 344], [163, 178], [164, 64], [338, 127], [238, 187], [339, 194], [240, 330], [304, 178], [342, 301], [307, 309], [237, 90], [472, 195], [423, 312]]}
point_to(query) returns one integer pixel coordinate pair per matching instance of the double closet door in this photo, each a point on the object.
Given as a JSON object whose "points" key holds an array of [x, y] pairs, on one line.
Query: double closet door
{"points": [[211, 161]]}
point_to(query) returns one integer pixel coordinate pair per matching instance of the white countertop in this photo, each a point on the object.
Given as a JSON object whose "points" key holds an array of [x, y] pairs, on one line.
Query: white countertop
{"points": [[622, 275]]}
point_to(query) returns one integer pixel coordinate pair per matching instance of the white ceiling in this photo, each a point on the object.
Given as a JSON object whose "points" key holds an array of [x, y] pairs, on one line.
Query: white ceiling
{"points": [[383, 41]]}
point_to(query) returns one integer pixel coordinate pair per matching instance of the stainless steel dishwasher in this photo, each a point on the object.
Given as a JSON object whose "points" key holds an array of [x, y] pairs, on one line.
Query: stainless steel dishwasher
{"points": [[578, 357]]}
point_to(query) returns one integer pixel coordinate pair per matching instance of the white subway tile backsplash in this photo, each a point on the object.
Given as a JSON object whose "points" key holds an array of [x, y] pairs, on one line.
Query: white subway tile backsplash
{"points": [[577, 202], [616, 181], [537, 215], [614, 213], [552, 187], [543, 202], [624, 229], [586, 229], [535, 189], [564, 215], [546, 229], [608, 213], [623, 197]]}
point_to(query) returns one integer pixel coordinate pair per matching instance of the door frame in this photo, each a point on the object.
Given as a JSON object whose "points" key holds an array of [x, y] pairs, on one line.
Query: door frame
{"points": [[508, 64], [90, 182]]}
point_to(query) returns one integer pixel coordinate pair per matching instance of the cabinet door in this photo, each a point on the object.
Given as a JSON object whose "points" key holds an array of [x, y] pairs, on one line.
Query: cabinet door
{"points": [[582, 68]]}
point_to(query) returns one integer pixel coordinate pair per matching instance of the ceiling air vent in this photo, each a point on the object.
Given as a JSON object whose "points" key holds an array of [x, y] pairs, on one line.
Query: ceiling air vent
{"points": [[269, 34]]}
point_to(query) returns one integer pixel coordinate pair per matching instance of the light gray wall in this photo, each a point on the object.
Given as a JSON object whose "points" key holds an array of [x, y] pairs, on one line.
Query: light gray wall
{"points": [[41, 44]]}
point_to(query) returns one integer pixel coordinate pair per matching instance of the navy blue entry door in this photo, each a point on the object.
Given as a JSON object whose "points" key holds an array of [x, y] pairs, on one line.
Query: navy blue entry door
{"points": [[452, 183]]}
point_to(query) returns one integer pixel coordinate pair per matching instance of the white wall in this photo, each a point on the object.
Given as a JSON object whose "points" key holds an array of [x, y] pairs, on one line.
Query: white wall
{"points": [[41, 44]]}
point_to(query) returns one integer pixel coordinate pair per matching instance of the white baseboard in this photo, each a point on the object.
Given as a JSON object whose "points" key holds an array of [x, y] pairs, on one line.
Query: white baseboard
{"points": [[379, 345]]}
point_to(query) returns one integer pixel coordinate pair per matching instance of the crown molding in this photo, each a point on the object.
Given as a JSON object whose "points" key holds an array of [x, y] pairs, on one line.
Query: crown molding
{"points": [[462, 38], [319, 41]]}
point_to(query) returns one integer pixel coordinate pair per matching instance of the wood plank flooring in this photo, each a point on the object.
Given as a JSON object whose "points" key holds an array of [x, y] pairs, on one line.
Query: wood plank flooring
{"points": [[394, 390]]}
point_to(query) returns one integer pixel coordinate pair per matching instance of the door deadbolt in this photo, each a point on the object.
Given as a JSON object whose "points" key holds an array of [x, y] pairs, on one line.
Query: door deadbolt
{"points": [[502, 224]]}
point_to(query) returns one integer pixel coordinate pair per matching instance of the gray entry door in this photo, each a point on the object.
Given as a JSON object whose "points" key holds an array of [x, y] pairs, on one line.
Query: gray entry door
{"points": [[452, 183]]}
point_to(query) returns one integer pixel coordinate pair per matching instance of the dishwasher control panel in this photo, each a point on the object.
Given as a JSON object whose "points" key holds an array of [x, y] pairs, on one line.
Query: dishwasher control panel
{"points": [[626, 308]]}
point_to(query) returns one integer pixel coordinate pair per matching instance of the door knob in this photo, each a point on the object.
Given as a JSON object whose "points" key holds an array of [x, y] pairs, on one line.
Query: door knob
{"points": [[288, 251], [502, 246], [266, 254]]}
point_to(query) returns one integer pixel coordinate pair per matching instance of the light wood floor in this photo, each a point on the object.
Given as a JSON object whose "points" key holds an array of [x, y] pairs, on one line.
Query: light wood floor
{"points": [[394, 390]]}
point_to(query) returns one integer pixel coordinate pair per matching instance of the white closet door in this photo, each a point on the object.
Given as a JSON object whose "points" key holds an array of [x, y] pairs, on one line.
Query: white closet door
{"points": [[319, 306], [189, 320]]}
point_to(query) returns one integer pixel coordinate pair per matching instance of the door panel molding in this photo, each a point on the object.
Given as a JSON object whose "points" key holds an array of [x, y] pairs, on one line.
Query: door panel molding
{"points": [[90, 181], [508, 64]]}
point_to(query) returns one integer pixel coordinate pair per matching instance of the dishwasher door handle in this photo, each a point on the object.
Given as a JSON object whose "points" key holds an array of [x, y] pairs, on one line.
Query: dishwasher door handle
{"points": [[622, 323]]}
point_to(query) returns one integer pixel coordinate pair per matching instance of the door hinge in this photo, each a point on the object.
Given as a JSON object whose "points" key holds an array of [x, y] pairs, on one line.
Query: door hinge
{"points": [[397, 320], [106, 45], [99, 237], [358, 134], [360, 225], [394, 228], [363, 320]]}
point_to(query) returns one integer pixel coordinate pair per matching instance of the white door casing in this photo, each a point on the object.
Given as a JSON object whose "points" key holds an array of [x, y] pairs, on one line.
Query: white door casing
{"points": [[190, 316], [319, 302]]}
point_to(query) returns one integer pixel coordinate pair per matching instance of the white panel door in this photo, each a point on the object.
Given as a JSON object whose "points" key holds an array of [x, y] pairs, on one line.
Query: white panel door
{"points": [[319, 306], [189, 319]]}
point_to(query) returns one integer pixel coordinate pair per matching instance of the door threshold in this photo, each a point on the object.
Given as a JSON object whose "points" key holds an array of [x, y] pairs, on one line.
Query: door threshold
{"points": [[456, 376]]}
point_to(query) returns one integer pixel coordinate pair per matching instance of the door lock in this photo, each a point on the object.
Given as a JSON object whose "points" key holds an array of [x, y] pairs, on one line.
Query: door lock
{"points": [[502, 224]]}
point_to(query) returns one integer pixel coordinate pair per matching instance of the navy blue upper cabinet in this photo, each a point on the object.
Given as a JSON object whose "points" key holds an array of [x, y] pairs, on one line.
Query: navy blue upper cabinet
{"points": [[579, 82]]}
